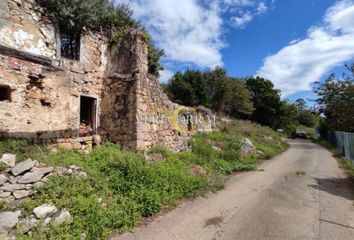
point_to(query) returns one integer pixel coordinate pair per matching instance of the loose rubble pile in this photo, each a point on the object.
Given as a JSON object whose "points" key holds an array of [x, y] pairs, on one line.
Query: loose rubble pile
{"points": [[11, 224], [18, 182]]}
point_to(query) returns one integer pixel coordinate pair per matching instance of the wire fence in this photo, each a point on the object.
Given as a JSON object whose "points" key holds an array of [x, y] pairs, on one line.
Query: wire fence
{"points": [[344, 142]]}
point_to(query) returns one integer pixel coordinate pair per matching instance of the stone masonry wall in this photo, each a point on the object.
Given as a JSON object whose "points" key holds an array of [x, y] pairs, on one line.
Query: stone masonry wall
{"points": [[45, 99], [46, 89]]}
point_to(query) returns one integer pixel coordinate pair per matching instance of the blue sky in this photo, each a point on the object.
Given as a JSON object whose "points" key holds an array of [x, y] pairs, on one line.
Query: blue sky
{"points": [[291, 42]]}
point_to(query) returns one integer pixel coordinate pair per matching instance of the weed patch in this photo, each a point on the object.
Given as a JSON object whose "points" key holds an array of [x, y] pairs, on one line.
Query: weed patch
{"points": [[122, 187]]}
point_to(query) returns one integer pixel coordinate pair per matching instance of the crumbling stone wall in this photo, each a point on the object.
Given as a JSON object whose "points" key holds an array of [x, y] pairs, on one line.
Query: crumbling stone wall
{"points": [[24, 27], [46, 89], [45, 93]]}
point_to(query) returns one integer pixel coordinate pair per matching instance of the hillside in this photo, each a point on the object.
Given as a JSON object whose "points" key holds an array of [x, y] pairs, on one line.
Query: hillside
{"points": [[123, 187]]}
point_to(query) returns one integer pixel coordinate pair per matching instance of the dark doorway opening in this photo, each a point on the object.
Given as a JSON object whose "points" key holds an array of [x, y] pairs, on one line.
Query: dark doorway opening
{"points": [[5, 93], [87, 116]]}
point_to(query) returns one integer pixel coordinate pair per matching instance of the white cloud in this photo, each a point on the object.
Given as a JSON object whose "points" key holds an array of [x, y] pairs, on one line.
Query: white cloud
{"points": [[165, 76], [243, 17], [190, 31], [295, 67], [241, 21], [262, 8]]}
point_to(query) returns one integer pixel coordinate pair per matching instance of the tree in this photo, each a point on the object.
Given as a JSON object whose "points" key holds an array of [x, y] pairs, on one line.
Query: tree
{"points": [[212, 89], [301, 104], [240, 104], [308, 119], [266, 101], [336, 101], [220, 89], [288, 115]]}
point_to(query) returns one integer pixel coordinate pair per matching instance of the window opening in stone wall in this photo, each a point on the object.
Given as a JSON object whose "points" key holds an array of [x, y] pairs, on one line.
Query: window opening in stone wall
{"points": [[70, 45], [5, 93], [87, 116]]}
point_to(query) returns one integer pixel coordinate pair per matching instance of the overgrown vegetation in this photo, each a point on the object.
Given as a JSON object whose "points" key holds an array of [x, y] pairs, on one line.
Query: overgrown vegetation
{"points": [[250, 98], [122, 187], [336, 102], [113, 20]]}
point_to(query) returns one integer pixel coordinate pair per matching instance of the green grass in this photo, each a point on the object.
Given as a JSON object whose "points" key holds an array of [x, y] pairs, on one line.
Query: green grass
{"points": [[122, 187]]}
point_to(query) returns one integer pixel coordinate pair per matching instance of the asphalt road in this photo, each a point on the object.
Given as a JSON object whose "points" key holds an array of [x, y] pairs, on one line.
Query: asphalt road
{"points": [[301, 194]]}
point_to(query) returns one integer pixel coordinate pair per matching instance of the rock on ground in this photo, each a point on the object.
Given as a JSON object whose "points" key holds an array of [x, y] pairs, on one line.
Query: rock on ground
{"points": [[30, 177], [8, 220], [63, 217], [8, 159], [21, 194], [3, 179], [8, 187], [45, 210], [247, 147], [25, 225], [23, 167], [4, 194]]}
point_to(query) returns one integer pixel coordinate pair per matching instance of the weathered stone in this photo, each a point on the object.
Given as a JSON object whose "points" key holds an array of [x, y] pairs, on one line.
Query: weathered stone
{"points": [[21, 194], [31, 177], [8, 159], [47, 89], [247, 148], [44, 211], [42, 170], [61, 171], [47, 221], [63, 217], [81, 174], [14, 180], [97, 140], [8, 187], [25, 225], [38, 184], [23, 167], [10, 199], [74, 168], [158, 157], [4, 194], [3, 179], [8, 220]]}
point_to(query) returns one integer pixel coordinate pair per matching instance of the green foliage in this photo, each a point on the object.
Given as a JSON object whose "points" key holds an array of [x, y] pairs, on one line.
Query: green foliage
{"points": [[308, 119], [336, 102], [23, 149], [288, 119], [122, 187], [213, 89], [266, 101], [74, 16], [154, 55], [238, 105]]}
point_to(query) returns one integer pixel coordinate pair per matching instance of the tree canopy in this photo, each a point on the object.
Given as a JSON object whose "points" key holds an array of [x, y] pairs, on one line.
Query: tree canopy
{"points": [[336, 101], [213, 89]]}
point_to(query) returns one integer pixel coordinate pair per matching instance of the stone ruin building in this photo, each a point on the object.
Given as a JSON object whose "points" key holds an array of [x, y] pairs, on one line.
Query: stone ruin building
{"points": [[75, 93]]}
